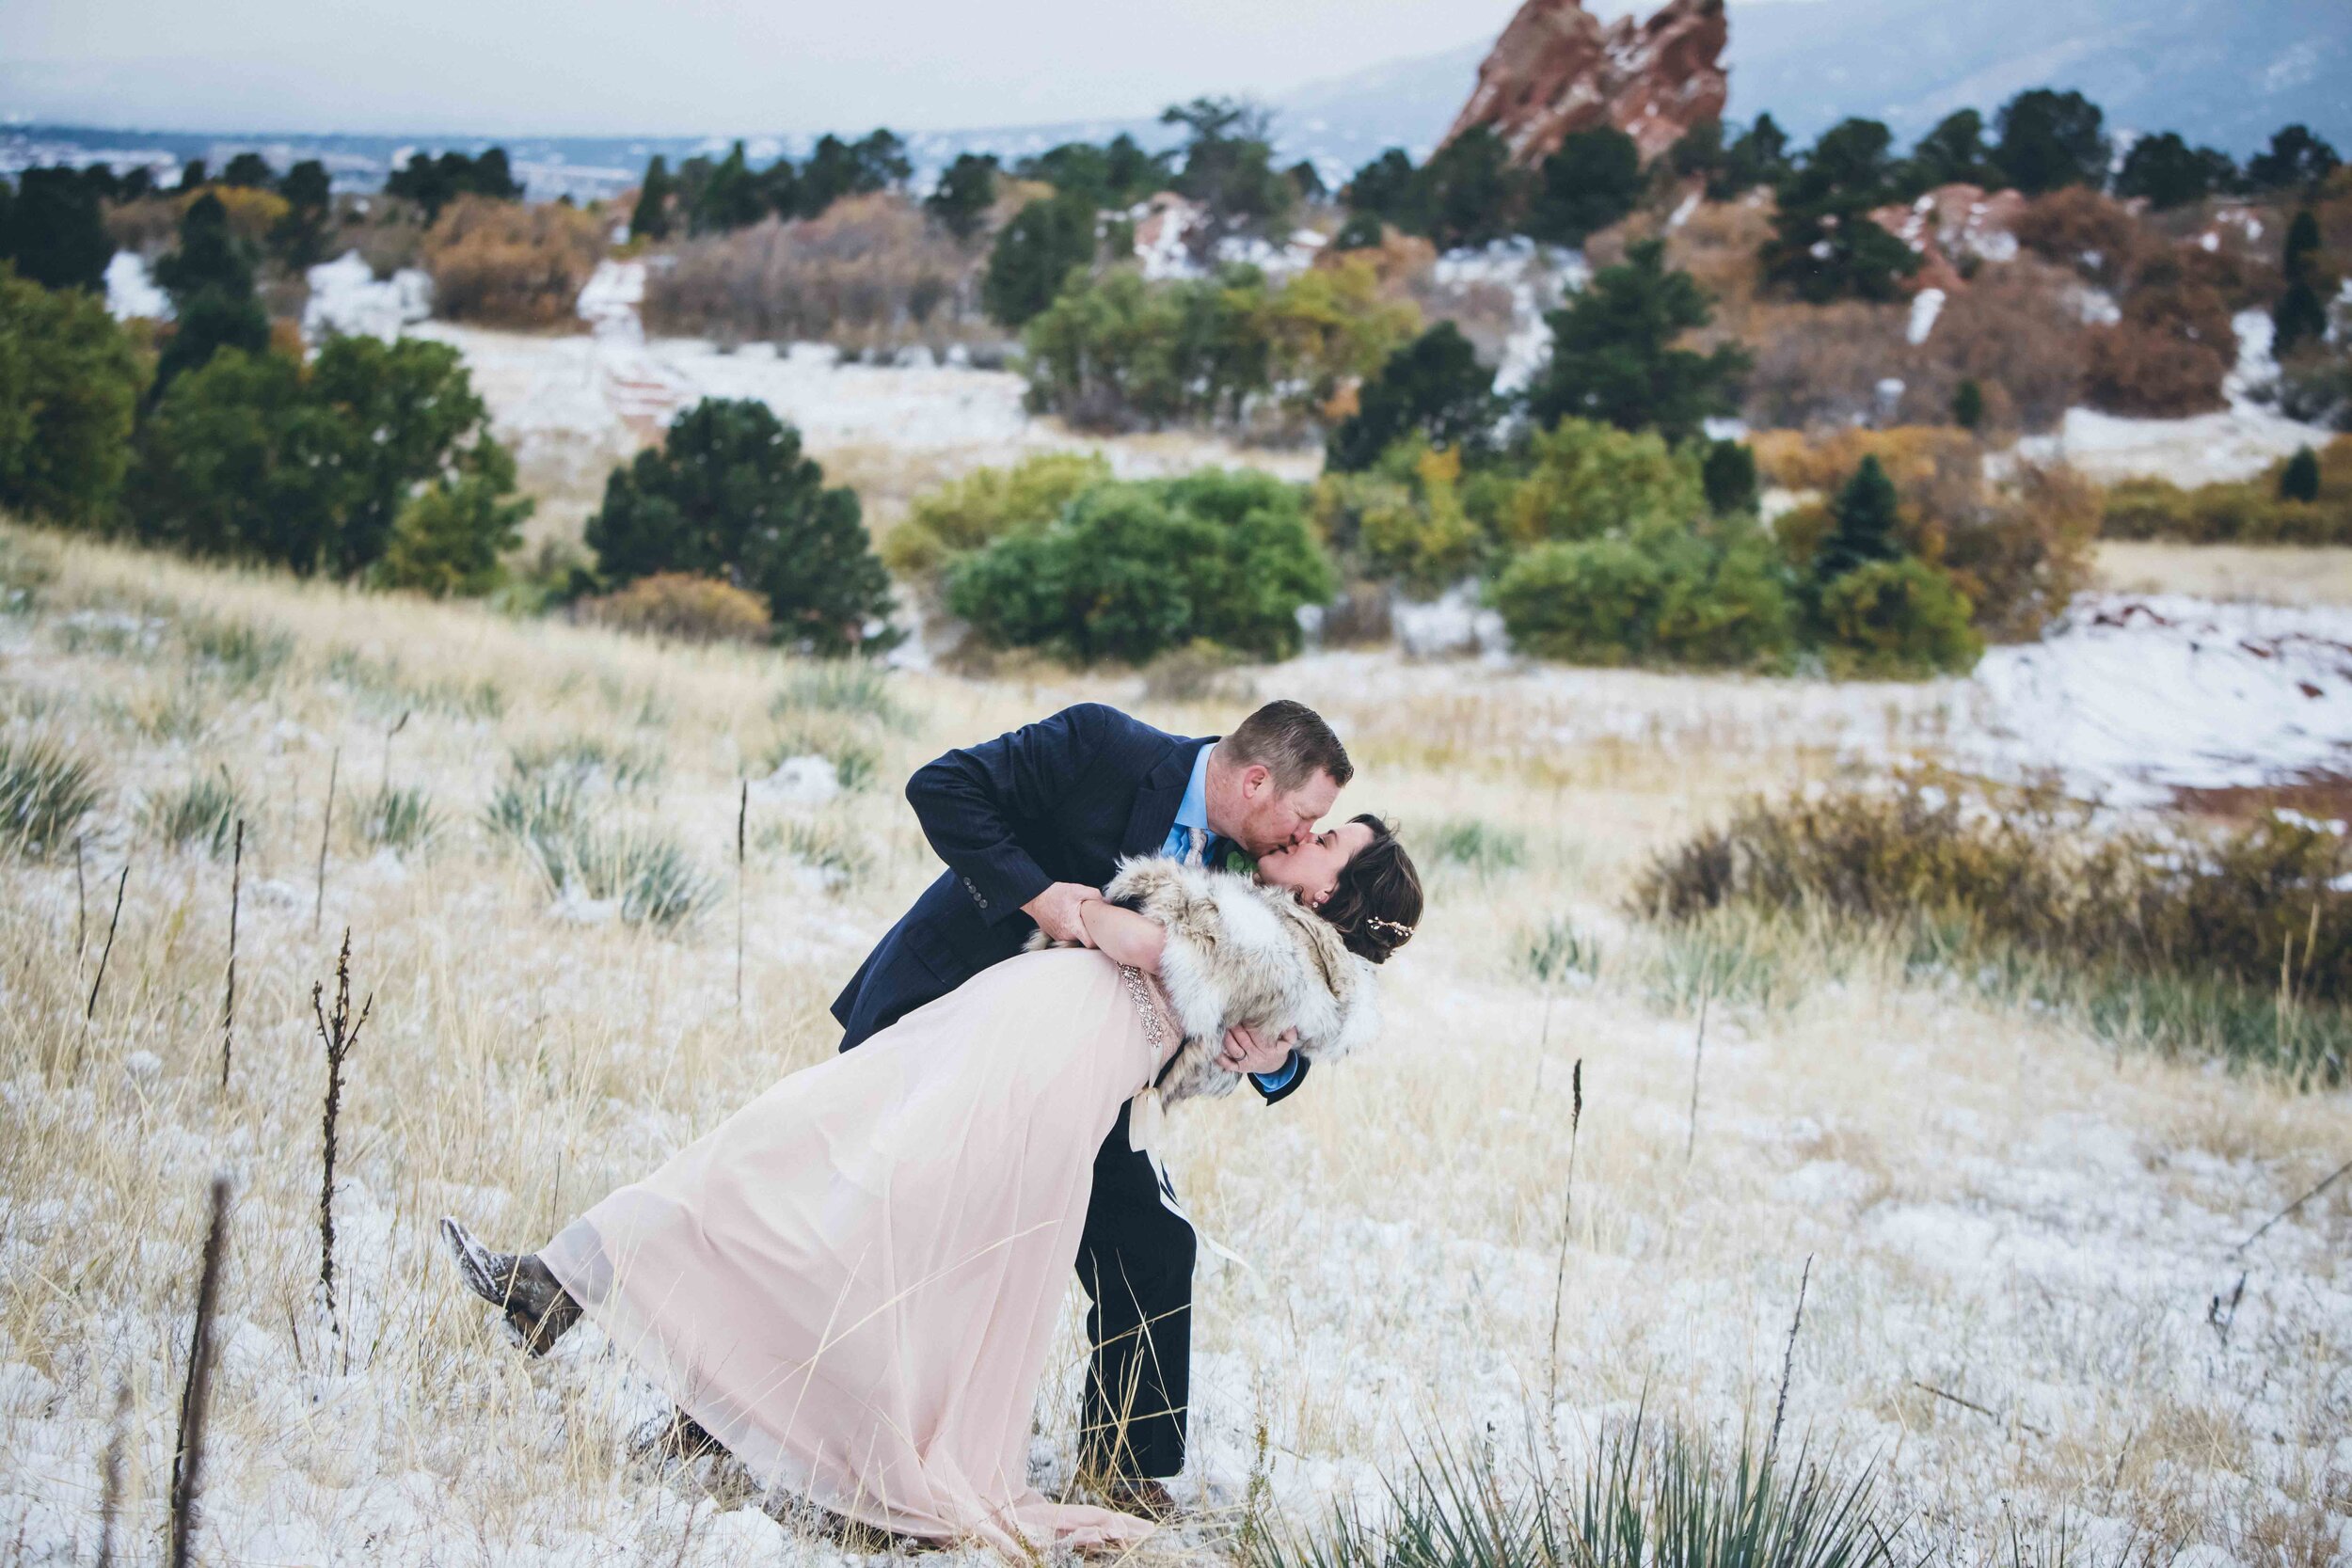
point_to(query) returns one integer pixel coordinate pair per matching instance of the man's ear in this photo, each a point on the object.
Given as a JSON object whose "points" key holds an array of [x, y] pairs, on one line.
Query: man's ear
{"points": [[1254, 780]]}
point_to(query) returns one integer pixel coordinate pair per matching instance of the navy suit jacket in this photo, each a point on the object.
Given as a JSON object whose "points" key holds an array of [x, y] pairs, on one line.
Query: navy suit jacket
{"points": [[1060, 800]]}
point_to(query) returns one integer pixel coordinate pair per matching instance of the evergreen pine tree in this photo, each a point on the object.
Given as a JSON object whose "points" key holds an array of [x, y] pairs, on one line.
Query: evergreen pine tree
{"points": [[1952, 153], [2299, 480], [1593, 180], [731, 495], [248, 171], [966, 190], [2049, 139], [650, 219], [1034, 254], [300, 236], [2301, 314], [1613, 358], [210, 280], [192, 174], [1969, 404], [54, 230], [1728, 472], [2295, 160], [1432, 385], [732, 199], [1866, 510]]}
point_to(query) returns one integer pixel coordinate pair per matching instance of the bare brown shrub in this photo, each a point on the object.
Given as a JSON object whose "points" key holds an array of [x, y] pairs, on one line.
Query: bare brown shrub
{"points": [[871, 273], [2167, 355], [1717, 245], [681, 607], [2081, 228], [1818, 365], [150, 225], [508, 263], [2018, 334]]}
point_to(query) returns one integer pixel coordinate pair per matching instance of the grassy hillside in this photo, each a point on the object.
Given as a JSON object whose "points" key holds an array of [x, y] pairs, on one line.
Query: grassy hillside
{"points": [[2013, 1231]]}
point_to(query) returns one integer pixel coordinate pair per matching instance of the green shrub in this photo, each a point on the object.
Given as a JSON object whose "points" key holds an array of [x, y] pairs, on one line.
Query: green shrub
{"points": [[45, 792], [1588, 481], [1595, 601], [257, 457], [1132, 570], [70, 383], [1403, 520], [1898, 618], [729, 494], [448, 538], [2238, 943], [968, 513], [1118, 352], [2255, 511], [1679, 598]]}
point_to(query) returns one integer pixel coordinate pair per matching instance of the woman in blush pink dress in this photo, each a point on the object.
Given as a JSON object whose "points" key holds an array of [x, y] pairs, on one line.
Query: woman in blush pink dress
{"points": [[852, 1282]]}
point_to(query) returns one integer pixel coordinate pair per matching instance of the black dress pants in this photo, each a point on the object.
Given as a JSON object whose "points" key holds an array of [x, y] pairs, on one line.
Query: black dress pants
{"points": [[1135, 1259]]}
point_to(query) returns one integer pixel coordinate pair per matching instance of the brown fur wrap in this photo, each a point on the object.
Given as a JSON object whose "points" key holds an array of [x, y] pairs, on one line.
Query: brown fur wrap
{"points": [[1240, 953]]}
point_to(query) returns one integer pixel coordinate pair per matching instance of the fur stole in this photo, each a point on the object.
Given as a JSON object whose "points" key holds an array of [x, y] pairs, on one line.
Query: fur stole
{"points": [[1240, 953]]}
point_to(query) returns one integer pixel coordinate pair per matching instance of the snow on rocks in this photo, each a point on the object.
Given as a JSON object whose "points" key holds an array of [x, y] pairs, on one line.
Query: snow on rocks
{"points": [[809, 780], [347, 297]]}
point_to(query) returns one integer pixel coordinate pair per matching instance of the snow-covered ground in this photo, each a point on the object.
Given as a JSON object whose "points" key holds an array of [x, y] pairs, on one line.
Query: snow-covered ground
{"points": [[2127, 700]]}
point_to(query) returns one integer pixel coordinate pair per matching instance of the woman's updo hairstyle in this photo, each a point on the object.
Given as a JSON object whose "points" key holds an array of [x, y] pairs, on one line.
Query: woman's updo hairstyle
{"points": [[1376, 902]]}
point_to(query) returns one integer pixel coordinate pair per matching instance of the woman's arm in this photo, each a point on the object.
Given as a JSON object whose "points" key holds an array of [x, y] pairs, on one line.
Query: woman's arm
{"points": [[1127, 937]]}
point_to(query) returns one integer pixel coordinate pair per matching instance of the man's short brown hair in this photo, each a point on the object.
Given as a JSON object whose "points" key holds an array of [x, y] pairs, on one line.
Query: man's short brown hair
{"points": [[1291, 741]]}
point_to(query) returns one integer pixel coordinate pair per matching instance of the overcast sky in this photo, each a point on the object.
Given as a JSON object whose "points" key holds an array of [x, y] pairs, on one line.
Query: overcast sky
{"points": [[514, 67]]}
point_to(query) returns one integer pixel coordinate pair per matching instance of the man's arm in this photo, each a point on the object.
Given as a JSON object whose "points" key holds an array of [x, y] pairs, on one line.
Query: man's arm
{"points": [[966, 802]]}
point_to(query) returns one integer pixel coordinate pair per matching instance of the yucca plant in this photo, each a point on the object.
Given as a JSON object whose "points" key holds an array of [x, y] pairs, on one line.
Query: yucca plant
{"points": [[653, 877], [847, 687], [401, 820], [1641, 1500], [589, 760], [200, 814], [855, 764], [1479, 847], [45, 791], [833, 850], [1558, 949], [242, 653]]}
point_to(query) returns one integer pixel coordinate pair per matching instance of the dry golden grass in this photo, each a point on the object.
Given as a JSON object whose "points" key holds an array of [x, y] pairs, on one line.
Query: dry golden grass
{"points": [[1995, 1204], [2266, 573]]}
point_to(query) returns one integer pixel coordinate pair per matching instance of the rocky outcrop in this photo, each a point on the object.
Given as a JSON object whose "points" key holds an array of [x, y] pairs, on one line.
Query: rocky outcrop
{"points": [[1558, 69], [1951, 223]]}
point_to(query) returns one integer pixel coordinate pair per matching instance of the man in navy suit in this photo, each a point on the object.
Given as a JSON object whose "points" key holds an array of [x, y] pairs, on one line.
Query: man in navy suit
{"points": [[1032, 824]]}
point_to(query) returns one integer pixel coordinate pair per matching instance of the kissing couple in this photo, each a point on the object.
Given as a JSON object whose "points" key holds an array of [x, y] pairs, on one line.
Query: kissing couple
{"points": [[852, 1283]]}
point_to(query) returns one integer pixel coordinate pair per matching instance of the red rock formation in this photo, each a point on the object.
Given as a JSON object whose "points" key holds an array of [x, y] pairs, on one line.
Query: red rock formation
{"points": [[1953, 221], [1557, 69]]}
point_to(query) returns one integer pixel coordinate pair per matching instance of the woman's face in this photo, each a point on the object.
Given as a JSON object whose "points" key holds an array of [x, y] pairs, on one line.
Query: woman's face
{"points": [[1311, 866]]}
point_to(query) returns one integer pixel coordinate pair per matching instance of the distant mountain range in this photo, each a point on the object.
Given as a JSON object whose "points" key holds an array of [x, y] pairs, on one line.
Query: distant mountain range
{"points": [[2225, 73]]}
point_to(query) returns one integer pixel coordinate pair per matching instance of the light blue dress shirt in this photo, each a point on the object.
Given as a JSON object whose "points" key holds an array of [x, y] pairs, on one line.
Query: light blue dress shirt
{"points": [[1193, 812]]}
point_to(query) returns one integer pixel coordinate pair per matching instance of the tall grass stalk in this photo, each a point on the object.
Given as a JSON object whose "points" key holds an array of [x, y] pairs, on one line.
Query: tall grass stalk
{"points": [[187, 1461], [228, 993], [326, 828]]}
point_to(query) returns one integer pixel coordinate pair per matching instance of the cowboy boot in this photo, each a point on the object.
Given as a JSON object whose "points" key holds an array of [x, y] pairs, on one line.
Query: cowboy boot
{"points": [[520, 1286]]}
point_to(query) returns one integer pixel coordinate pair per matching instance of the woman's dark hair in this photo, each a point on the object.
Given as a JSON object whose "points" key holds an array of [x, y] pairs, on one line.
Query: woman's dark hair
{"points": [[1377, 901]]}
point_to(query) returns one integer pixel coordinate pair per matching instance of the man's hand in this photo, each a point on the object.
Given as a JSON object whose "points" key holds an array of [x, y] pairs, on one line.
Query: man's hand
{"points": [[1056, 910], [1246, 1053]]}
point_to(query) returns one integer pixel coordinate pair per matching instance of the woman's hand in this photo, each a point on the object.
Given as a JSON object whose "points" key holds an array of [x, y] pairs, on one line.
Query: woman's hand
{"points": [[1246, 1053]]}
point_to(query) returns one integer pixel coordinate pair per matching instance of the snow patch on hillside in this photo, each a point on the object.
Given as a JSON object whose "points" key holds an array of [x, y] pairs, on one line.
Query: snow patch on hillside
{"points": [[131, 291], [346, 298]]}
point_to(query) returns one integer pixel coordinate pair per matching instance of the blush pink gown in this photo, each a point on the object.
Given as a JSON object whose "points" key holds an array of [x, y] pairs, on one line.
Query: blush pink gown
{"points": [[853, 1281]]}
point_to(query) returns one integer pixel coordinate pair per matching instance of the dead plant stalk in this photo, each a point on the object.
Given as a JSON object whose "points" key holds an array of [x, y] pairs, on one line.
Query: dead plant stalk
{"points": [[339, 1034]]}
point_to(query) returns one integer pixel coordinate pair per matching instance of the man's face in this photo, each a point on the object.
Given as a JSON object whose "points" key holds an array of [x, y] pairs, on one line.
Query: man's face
{"points": [[1272, 818]]}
